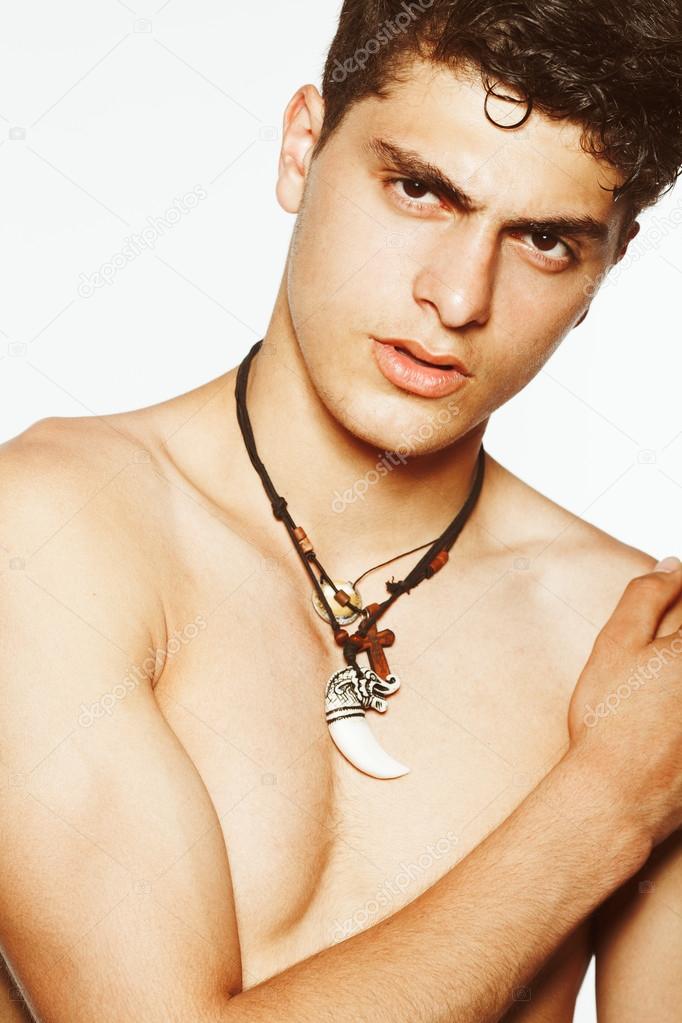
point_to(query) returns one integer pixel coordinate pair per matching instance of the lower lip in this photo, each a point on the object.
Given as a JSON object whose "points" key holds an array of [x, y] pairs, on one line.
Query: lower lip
{"points": [[403, 371]]}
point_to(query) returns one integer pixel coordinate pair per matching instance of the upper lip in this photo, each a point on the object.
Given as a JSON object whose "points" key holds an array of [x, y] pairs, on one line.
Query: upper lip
{"points": [[414, 348]]}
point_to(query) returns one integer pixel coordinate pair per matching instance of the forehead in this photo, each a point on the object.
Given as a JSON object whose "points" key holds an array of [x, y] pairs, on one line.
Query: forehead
{"points": [[539, 166]]}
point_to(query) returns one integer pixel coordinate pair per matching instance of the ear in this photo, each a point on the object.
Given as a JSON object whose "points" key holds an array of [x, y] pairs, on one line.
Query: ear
{"points": [[300, 131], [632, 232]]}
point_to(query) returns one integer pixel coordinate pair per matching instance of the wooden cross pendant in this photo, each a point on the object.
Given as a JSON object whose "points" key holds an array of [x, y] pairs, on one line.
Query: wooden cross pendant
{"points": [[373, 643]]}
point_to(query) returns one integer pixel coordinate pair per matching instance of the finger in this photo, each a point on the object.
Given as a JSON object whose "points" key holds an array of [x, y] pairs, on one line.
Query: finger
{"points": [[671, 642], [643, 604]]}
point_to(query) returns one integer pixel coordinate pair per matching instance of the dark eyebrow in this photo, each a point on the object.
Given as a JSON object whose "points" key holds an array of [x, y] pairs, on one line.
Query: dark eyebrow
{"points": [[410, 164]]}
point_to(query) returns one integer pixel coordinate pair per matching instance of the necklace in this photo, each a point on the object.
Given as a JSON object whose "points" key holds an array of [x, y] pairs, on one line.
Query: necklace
{"points": [[350, 612], [353, 689]]}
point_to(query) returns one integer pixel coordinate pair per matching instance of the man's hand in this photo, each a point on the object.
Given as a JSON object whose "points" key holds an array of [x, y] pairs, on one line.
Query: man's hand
{"points": [[626, 710]]}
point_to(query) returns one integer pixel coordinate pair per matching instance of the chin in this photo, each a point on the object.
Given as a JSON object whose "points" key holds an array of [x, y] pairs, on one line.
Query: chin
{"points": [[394, 426], [396, 422]]}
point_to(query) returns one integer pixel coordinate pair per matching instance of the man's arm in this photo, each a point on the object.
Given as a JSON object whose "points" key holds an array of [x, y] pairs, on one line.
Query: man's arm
{"points": [[464, 949], [115, 889], [115, 893], [637, 932], [638, 943]]}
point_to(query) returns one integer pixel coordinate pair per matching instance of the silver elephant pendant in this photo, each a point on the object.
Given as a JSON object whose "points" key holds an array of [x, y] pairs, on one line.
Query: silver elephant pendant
{"points": [[349, 693]]}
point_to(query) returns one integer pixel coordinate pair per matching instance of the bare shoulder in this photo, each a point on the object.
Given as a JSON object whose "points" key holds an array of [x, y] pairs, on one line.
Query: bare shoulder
{"points": [[95, 508], [578, 564], [68, 454], [74, 521]]}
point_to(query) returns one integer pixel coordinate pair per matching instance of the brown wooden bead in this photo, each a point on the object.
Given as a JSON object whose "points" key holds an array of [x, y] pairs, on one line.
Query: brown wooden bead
{"points": [[438, 561], [342, 598], [303, 540], [340, 636]]}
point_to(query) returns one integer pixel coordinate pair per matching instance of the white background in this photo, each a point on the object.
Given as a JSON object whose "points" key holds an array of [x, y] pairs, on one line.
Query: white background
{"points": [[110, 111]]}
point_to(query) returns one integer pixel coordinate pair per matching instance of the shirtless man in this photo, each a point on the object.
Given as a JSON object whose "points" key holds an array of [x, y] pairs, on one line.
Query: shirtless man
{"points": [[181, 839]]}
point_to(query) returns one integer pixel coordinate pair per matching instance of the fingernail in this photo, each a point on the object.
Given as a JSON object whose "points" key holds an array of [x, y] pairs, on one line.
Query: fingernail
{"points": [[667, 565]]}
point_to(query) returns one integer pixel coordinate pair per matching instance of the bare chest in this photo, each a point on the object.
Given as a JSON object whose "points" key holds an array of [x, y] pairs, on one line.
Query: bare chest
{"points": [[318, 850]]}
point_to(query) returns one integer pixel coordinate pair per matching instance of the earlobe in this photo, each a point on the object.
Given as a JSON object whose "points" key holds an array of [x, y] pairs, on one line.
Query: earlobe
{"points": [[301, 128]]}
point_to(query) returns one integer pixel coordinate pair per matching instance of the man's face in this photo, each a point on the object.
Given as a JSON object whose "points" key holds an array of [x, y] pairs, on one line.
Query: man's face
{"points": [[377, 254]]}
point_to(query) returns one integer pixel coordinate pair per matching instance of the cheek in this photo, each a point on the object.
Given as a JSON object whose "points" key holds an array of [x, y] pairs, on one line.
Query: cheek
{"points": [[514, 354], [531, 317], [341, 257]]}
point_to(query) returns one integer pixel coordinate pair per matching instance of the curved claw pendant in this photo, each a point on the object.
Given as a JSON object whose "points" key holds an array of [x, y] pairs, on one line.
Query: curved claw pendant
{"points": [[350, 691], [344, 615]]}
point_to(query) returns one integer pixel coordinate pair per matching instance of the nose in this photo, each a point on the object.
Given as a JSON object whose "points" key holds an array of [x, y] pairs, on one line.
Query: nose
{"points": [[456, 275]]}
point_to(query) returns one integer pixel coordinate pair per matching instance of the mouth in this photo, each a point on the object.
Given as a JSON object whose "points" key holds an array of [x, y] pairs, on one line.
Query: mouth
{"points": [[423, 362], [421, 355], [416, 370]]}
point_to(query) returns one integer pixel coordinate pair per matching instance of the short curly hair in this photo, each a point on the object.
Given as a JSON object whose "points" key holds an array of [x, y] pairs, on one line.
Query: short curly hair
{"points": [[613, 69]]}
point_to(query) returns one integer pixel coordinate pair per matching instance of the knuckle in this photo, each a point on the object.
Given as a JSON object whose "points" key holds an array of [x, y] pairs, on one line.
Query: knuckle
{"points": [[613, 638]]}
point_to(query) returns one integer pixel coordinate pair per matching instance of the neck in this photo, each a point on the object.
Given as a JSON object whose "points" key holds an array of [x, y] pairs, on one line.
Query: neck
{"points": [[358, 505]]}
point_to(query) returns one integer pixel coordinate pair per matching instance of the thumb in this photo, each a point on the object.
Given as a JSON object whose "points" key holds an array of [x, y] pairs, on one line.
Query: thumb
{"points": [[667, 565], [635, 620]]}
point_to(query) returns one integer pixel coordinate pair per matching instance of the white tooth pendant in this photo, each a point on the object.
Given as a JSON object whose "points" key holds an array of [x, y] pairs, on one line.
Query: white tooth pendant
{"points": [[343, 614], [353, 690], [350, 691]]}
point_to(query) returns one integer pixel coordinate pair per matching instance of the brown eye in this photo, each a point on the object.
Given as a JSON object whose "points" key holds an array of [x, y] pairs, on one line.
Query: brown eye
{"points": [[409, 193], [545, 241], [414, 186], [544, 238]]}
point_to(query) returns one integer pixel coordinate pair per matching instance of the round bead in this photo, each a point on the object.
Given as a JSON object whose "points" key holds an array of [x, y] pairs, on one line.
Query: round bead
{"points": [[344, 614]]}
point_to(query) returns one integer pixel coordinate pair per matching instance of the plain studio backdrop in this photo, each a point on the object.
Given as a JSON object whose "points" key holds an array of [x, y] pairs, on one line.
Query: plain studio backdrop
{"points": [[110, 112]]}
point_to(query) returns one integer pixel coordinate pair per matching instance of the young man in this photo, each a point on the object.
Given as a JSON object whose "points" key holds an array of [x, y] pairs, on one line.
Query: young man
{"points": [[182, 839]]}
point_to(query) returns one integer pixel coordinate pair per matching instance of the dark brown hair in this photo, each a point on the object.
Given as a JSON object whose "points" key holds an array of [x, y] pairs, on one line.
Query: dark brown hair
{"points": [[613, 68]]}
